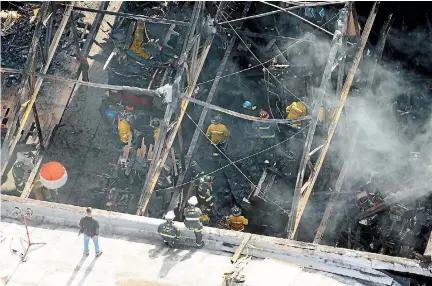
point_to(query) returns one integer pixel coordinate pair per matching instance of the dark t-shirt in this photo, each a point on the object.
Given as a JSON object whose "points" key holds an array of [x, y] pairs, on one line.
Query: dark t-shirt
{"points": [[89, 226]]}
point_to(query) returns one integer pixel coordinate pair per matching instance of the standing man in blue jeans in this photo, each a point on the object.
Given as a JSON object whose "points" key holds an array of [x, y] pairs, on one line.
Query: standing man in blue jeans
{"points": [[90, 227]]}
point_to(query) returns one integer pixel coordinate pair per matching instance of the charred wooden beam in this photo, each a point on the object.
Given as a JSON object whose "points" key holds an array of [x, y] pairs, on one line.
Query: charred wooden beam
{"points": [[38, 85], [335, 194], [94, 27], [48, 34], [380, 48], [243, 116], [22, 89], [378, 54], [325, 82], [194, 142], [75, 33], [312, 179], [192, 38], [132, 16], [257, 190], [136, 90]]}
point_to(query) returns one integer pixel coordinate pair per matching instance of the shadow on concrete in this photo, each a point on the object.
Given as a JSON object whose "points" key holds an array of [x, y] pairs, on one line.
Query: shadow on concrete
{"points": [[174, 256], [87, 272], [76, 270], [157, 251]]}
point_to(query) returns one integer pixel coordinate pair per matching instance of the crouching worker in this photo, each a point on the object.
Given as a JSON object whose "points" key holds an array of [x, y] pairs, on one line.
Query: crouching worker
{"points": [[170, 234], [192, 215], [236, 220]]}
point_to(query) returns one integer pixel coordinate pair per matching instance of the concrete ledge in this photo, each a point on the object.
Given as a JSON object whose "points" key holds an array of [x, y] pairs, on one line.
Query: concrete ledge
{"points": [[345, 262]]}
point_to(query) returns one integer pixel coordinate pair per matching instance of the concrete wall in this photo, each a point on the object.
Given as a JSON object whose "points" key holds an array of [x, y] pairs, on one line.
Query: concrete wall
{"points": [[346, 262]]}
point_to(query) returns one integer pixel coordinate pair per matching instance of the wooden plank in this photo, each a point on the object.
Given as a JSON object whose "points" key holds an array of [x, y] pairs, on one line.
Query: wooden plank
{"points": [[244, 116], [94, 28], [269, 184], [150, 153], [257, 190], [302, 203], [136, 90], [75, 33], [428, 250], [133, 16], [325, 83], [237, 253], [335, 195], [174, 162], [29, 184], [380, 48], [187, 45], [194, 142], [38, 85], [152, 180], [333, 199], [22, 90]]}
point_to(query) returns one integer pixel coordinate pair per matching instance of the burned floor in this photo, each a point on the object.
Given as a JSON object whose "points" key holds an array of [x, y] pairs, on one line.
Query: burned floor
{"points": [[371, 193]]}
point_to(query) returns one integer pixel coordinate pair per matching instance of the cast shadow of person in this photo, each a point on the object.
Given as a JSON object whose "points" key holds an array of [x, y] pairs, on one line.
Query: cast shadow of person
{"points": [[172, 256]]}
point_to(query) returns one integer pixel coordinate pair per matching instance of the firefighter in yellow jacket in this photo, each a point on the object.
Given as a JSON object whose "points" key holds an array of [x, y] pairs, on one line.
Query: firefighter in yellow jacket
{"points": [[236, 220], [294, 110], [124, 130], [218, 133]]}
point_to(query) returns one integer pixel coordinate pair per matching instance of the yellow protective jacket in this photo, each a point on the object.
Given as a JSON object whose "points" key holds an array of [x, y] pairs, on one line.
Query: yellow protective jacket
{"points": [[124, 130], [218, 133], [238, 222], [294, 110], [156, 133]]}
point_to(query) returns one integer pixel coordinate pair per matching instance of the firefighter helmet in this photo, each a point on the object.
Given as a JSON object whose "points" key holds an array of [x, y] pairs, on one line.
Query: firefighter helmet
{"points": [[155, 123], [263, 114], [217, 119], [193, 201], [206, 179], [236, 211], [170, 215], [247, 104]]}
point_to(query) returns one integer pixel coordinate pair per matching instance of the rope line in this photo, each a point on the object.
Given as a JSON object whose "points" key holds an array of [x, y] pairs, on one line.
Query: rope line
{"points": [[231, 162]]}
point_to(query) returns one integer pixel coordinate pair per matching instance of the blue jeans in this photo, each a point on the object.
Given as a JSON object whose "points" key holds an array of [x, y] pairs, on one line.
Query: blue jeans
{"points": [[86, 244]]}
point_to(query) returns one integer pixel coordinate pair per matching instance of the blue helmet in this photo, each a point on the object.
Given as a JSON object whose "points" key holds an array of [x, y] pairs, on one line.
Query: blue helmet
{"points": [[247, 104]]}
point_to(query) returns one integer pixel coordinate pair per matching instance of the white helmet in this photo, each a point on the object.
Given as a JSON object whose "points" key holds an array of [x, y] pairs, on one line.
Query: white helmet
{"points": [[193, 201], [170, 215]]}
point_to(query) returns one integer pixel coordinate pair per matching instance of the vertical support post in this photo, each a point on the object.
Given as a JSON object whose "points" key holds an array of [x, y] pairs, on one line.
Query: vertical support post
{"points": [[312, 179], [333, 199], [53, 48], [325, 80], [194, 142]]}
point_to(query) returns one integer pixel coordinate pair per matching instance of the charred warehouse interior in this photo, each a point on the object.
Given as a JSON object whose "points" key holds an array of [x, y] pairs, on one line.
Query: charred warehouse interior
{"points": [[309, 119]]}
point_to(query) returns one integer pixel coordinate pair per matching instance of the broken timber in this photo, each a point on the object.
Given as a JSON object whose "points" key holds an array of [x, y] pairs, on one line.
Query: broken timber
{"points": [[163, 146], [312, 179], [133, 17], [23, 85], [29, 183], [132, 89], [325, 82], [194, 142], [334, 196], [236, 256], [38, 85]]}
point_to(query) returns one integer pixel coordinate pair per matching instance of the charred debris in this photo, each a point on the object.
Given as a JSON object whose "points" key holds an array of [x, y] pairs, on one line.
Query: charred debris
{"points": [[352, 169]]}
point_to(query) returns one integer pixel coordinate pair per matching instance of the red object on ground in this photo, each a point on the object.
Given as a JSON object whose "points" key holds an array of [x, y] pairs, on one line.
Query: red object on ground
{"points": [[53, 175]]}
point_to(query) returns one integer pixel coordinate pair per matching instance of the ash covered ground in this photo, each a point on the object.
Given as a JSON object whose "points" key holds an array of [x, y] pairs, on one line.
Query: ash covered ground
{"points": [[392, 155]]}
